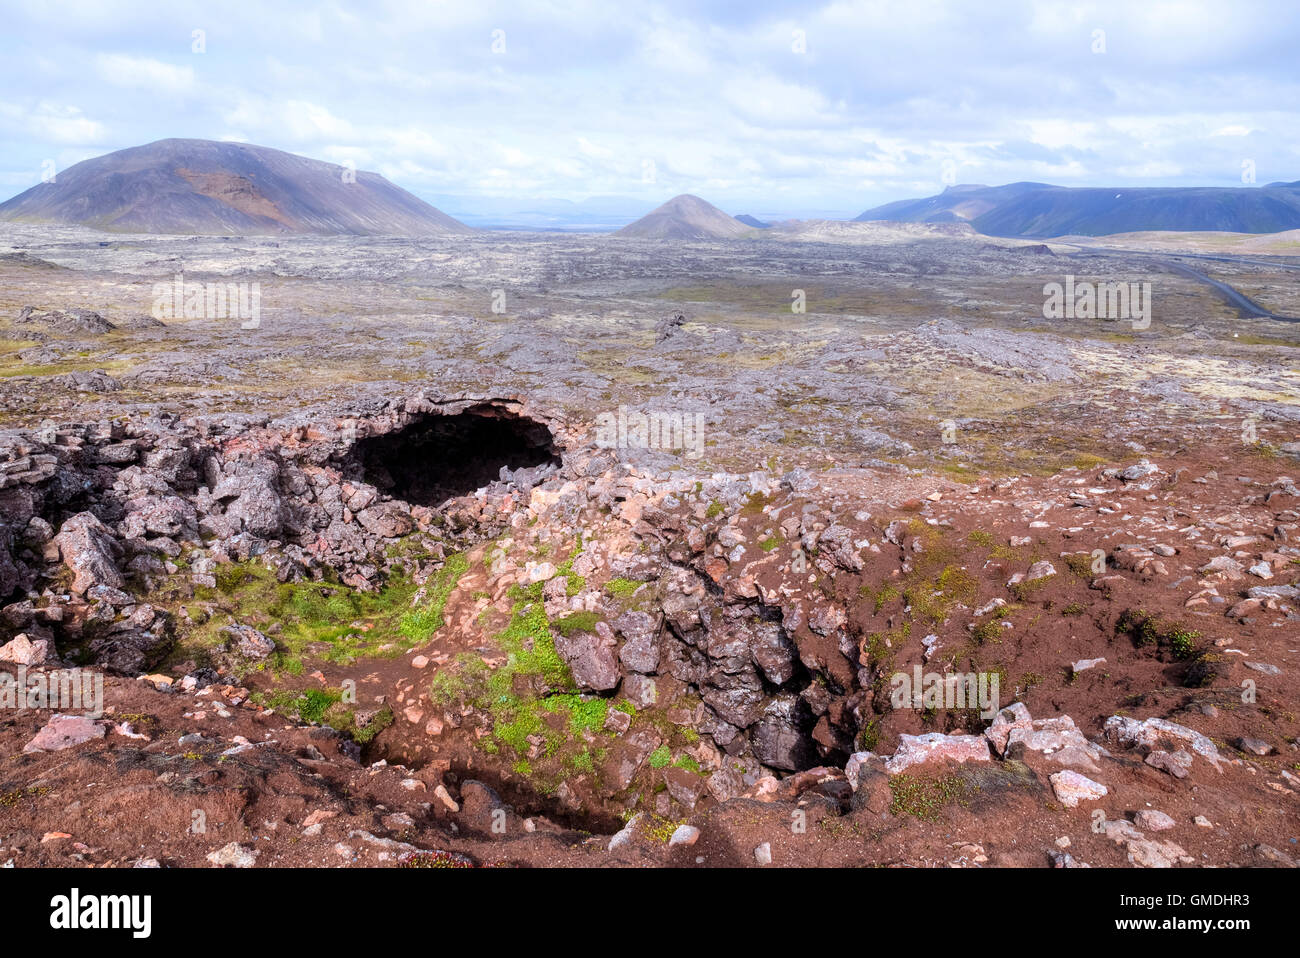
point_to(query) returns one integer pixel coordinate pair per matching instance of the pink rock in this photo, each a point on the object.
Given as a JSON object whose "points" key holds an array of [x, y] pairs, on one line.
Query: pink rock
{"points": [[1153, 821], [23, 651], [65, 731], [1244, 607], [936, 747], [1014, 716], [1072, 788], [1156, 734], [1059, 739]]}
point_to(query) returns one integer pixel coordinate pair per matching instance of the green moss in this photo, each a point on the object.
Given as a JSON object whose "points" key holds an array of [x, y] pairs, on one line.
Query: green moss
{"points": [[528, 640], [577, 622], [521, 695], [574, 583], [979, 538], [1086, 460], [325, 619], [688, 763], [309, 705], [231, 576], [880, 597], [421, 623], [1028, 681], [661, 757], [434, 859], [622, 588], [924, 798], [12, 798], [715, 509], [1080, 563], [879, 646], [585, 715], [1149, 630], [869, 736], [515, 733], [659, 829], [1182, 642], [1025, 589], [343, 718], [931, 600]]}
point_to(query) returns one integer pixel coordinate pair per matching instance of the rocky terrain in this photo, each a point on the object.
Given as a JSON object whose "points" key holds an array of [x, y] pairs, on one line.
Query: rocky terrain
{"points": [[374, 582]]}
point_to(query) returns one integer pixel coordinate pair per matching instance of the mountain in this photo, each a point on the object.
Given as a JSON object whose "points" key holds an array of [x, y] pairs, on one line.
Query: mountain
{"points": [[751, 221], [956, 204], [686, 217], [1038, 209], [206, 186]]}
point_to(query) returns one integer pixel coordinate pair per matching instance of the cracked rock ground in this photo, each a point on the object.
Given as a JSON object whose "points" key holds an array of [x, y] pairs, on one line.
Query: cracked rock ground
{"points": [[367, 587]]}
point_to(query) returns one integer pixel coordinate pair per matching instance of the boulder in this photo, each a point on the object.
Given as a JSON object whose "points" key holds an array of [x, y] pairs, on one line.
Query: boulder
{"points": [[1071, 788], [592, 658], [934, 747], [65, 731], [249, 642], [388, 520], [1157, 734], [780, 739], [89, 550], [23, 650], [640, 651]]}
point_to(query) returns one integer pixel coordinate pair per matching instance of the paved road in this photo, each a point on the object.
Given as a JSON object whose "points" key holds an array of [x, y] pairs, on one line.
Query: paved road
{"points": [[1245, 306]]}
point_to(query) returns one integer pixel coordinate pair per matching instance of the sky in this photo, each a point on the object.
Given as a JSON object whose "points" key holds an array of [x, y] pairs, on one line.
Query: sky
{"points": [[590, 109]]}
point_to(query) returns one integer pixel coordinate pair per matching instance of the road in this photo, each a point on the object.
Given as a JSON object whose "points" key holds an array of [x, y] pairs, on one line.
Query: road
{"points": [[1245, 306]]}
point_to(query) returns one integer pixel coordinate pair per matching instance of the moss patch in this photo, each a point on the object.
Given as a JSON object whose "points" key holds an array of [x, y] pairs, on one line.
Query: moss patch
{"points": [[924, 798]]}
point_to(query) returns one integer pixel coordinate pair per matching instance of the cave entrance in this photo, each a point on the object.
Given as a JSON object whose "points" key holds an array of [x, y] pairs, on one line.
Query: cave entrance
{"points": [[439, 457]]}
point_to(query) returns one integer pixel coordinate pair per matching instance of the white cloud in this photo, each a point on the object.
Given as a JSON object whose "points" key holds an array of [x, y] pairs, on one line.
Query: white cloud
{"points": [[712, 93], [587, 148], [51, 122], [145, 73]]}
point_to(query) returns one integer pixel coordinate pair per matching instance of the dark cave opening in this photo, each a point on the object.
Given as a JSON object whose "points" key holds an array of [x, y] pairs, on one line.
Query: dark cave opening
{"points": [[440, 457]]}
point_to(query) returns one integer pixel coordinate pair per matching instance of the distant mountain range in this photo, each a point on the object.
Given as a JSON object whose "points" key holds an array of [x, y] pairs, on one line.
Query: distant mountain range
{"points": [[211, 187], [686, 217], [1041, 210]]}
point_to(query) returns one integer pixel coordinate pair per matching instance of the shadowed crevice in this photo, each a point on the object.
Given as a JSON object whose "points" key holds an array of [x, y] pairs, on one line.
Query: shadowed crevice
{"points": [[438, 457]]}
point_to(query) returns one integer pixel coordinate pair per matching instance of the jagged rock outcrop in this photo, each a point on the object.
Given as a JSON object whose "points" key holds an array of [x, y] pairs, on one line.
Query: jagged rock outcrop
{"points": [[131, 499]]}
